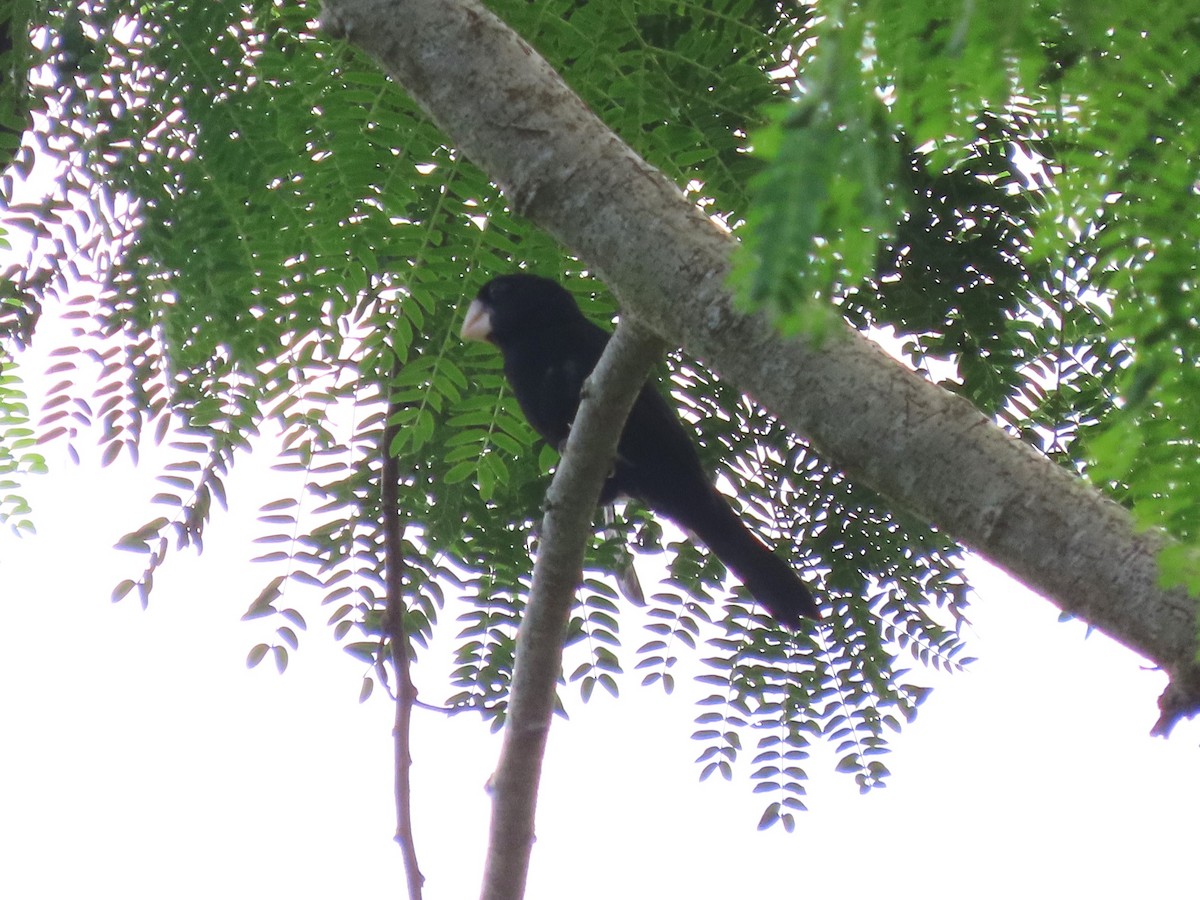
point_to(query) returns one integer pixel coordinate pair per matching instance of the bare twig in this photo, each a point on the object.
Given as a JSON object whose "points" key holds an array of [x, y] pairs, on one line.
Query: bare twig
{"points": [[406, 693], [570, 510]]}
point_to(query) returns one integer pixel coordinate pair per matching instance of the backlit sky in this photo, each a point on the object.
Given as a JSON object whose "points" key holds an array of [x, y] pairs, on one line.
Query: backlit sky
{"points": [[141, 759]]}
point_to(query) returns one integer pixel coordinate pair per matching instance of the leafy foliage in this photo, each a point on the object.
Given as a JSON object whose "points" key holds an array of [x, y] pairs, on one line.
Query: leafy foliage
{"points": [[18, 458], [254, 235], [1038, 232]]}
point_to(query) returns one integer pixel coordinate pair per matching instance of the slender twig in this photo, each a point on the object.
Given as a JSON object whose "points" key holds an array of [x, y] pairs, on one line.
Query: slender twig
{"points": [[570, 509], [406, 693]]}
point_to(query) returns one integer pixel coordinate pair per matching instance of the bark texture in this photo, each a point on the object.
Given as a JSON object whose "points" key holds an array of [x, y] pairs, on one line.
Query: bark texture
{"points": [[924, 448], [570, 510]]}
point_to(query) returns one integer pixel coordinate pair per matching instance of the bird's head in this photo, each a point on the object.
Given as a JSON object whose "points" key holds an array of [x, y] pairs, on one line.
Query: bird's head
{"points": [[511, 306]]}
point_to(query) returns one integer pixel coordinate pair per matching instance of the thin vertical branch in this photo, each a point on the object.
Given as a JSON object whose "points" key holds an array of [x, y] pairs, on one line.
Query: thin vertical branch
{"points": [[406, 693], [571, 500]]}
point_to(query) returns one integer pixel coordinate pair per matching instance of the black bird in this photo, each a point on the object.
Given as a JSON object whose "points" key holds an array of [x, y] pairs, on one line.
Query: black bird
{"points": [[549, 348]]}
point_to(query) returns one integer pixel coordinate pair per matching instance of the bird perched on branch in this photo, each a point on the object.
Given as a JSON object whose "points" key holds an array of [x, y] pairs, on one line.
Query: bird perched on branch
{"points": [[549, 348]]}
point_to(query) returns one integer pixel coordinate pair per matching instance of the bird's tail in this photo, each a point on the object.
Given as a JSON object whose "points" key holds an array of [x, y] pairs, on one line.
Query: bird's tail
{"points": [[771, 580]]}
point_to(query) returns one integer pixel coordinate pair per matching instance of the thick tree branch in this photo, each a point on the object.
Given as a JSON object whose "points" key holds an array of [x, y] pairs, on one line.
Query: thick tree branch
{"points": [[917, 444], [570, 510]]}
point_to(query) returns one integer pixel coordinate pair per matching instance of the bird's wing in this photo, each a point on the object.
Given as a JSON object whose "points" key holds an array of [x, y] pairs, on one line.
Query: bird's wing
{"points": [[558, 399], [657, 454]]}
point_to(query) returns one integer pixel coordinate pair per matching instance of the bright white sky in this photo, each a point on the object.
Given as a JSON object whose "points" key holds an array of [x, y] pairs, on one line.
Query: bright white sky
{"points": [[141, 759]]}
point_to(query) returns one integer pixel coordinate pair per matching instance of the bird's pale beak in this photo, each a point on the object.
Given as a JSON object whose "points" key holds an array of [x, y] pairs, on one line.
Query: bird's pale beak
{"points": [[477, 326]]}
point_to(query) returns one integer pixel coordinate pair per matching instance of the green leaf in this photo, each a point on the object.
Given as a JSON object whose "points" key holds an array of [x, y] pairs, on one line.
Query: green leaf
{"points": [[122, 589], [262, 605], [256, 654]]}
